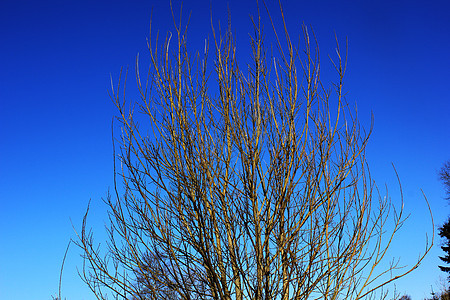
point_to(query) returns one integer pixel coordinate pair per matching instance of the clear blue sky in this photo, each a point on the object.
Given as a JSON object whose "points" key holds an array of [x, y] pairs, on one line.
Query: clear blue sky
{"points": [[55, 127]]}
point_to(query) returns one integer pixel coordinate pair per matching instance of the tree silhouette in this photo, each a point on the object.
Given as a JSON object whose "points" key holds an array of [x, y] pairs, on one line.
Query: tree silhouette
{"points": [[444, 230]]}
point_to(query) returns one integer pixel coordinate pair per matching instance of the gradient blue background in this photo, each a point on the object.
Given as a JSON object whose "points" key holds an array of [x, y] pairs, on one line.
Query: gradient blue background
{"points": [[56, 58]]}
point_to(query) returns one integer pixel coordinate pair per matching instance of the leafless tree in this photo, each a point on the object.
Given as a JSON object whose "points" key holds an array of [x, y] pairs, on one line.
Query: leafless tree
{"points": [[242, 182], [444, 176]]}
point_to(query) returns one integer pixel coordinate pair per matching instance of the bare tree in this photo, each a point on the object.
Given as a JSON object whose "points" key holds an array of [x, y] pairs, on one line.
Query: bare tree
{"points": [[257, 190], [444, 175]]}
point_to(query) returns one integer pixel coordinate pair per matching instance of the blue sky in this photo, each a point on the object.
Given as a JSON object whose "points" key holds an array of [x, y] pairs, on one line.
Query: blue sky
{"points": [[56, 58]]}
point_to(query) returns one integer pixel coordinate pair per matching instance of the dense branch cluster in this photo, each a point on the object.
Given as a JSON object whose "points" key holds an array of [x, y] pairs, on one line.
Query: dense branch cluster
{"points": [[241, 183]]}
